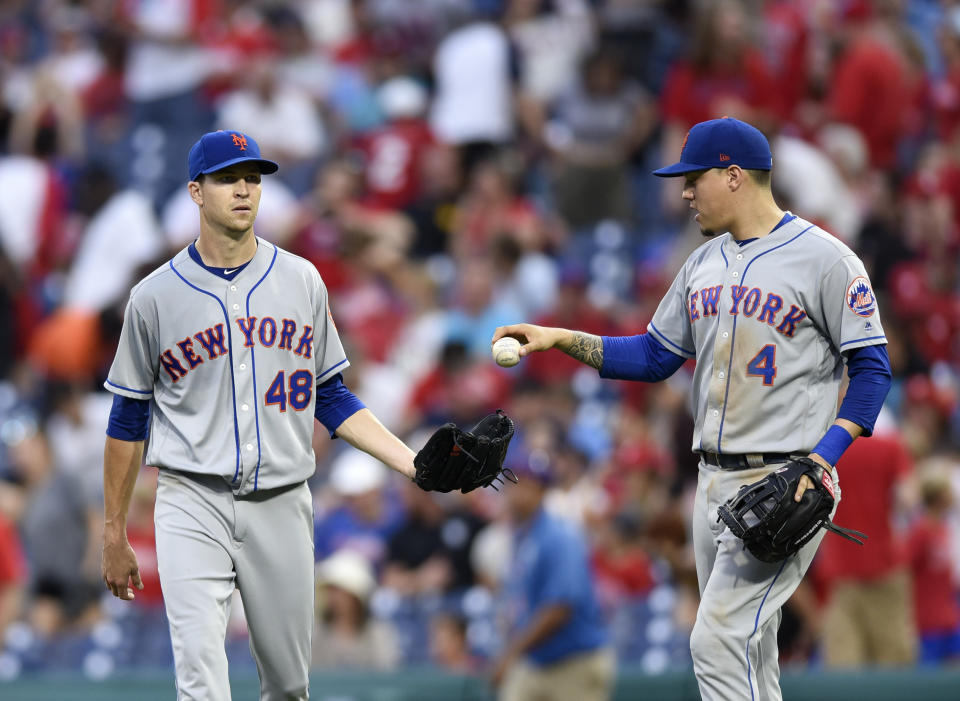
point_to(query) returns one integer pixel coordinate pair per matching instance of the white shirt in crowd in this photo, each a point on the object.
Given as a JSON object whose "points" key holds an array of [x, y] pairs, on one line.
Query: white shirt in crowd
{"points": [[473, 87]]}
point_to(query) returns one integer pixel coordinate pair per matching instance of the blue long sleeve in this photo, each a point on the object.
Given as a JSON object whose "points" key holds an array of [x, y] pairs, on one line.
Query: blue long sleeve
{"points": [[129, 418], [335, 404], [870, 375], [639, 357]]}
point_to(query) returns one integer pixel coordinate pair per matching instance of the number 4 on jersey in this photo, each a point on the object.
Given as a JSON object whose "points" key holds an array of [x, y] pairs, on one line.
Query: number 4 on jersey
{"points": [[298, 394], [764, 364]]}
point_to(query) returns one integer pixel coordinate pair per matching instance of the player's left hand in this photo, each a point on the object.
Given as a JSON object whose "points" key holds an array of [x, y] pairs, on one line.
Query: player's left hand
{"points": [[805, 482]]}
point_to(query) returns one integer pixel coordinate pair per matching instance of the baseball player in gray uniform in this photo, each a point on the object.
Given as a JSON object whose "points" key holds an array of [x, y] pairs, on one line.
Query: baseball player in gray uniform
{"points": [[229, 352], [771, 308]]}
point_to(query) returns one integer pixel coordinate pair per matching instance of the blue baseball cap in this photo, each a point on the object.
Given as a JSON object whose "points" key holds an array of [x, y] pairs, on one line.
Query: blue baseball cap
{"points": [[719, 143], [217, 150]]}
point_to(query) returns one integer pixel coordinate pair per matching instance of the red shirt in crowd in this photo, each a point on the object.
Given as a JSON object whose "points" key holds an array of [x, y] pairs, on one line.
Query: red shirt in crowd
{"points": [[692, 95], [13, 567], [934, 594], [868, 471], [393, 163], [787, 48], [871, 91]]}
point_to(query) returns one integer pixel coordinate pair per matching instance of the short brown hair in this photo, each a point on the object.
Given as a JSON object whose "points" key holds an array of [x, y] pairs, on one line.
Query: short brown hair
{"points": [[760, 177]]}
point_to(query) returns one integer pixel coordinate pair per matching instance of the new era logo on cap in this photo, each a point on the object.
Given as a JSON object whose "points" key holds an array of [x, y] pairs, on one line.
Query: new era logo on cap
{"points": [[719, 143], [217, 150]]}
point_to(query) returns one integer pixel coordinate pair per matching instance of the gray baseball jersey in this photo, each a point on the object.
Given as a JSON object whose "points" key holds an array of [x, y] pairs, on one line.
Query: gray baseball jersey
{"points": [[767, 323], [230, 367]]}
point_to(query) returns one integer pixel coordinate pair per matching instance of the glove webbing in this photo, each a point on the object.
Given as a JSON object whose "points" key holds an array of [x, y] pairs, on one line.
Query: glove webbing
{"points": [[503, 471]]}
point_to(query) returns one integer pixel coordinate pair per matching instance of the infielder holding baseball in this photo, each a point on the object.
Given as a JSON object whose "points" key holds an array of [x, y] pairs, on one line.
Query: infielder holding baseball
{"points": [[771, 308], [229, 351]]}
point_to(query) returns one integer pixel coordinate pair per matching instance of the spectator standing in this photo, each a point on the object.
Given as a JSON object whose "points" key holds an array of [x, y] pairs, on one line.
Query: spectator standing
{"points": [[558, 647], [597, 125], [164, 71], [872, 70], [393, 152], [863, 581], [473, 106], [934, 591], [60, 528]]}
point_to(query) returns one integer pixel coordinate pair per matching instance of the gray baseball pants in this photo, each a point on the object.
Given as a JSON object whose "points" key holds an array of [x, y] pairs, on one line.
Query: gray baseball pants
{"points": [[734, 640], [210, 542]]}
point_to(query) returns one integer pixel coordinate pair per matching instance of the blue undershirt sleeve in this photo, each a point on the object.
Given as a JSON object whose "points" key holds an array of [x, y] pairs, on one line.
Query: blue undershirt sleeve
{"points": [[335, 404], [870, 375], [129, 419], [639, 357]]}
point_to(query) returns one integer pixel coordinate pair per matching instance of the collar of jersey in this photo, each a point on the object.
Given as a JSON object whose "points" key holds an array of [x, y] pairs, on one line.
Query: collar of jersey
{"points": [[219, 272], [786, 219]]}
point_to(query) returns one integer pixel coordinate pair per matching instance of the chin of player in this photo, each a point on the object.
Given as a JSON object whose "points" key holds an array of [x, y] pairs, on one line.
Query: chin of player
{"points": [[240, 221], [704, 231]]}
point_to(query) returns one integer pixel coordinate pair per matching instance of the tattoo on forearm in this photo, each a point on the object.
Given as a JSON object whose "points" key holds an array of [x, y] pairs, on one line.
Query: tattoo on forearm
{"points": [[586, 348]]}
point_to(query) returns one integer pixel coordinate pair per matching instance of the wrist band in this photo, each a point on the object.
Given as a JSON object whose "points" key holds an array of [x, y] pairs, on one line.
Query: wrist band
{"points": [[833, 444]]}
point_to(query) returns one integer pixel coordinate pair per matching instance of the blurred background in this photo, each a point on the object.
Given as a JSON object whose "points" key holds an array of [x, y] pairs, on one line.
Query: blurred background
{"points": [[450, 166]]}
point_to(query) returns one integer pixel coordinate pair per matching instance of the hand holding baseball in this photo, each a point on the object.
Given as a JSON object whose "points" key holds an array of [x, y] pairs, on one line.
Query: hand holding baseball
{"points": [[531, 337]]}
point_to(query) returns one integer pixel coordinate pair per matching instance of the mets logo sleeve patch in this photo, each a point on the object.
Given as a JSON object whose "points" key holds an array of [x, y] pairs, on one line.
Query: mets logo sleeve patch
{"points": [[860, 297]]}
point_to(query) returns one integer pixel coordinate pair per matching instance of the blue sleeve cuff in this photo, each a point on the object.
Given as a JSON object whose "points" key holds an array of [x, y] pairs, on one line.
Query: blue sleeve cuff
{"points": [[833, 444], [335, 404], [870, 375], [129, 419], [639, 357]]}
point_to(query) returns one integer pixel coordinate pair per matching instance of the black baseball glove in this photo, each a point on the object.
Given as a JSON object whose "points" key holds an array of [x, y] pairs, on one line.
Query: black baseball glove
{"points": [[454, 459], [772, 525]]}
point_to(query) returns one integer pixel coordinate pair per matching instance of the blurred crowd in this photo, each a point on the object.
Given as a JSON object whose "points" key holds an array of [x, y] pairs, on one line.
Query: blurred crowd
{"points": [[450, 166]]}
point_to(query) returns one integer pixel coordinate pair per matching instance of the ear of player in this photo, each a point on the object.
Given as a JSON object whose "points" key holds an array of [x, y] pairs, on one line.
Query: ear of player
{"points": [[771, 524], [456, 459]]}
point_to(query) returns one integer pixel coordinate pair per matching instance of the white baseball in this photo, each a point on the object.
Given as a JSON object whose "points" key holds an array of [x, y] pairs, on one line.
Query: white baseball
{"points": [[506, 352]]}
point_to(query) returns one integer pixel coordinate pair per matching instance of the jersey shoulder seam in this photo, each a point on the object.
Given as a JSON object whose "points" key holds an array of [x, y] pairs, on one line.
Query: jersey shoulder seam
{"points": [[308, 266], [828, 239], [153, 277]]}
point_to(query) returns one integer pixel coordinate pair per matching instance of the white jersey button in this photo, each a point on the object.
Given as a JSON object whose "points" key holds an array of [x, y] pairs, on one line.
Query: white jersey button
{"points": [[243, 366], [237, 306], [250, 445], [735, 274], [725, 334], [715, 413], [739, 256], [720, 375], [233, 288], [245, 407]]}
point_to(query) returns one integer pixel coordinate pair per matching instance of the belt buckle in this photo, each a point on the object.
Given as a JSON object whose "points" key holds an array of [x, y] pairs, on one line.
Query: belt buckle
{"points": [[754, 459]]}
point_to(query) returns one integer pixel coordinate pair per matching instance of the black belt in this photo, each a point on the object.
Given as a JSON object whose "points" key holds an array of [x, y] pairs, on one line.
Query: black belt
{"points": [[745, 461]]}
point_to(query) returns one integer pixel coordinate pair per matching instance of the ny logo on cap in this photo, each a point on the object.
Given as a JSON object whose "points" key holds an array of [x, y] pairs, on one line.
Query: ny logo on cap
{"points": [[241, 141], [724, 157]]}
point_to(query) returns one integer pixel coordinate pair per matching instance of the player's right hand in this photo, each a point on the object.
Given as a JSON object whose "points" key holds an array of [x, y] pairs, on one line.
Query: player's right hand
{"points": [[532, 338], [120, 569]]}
